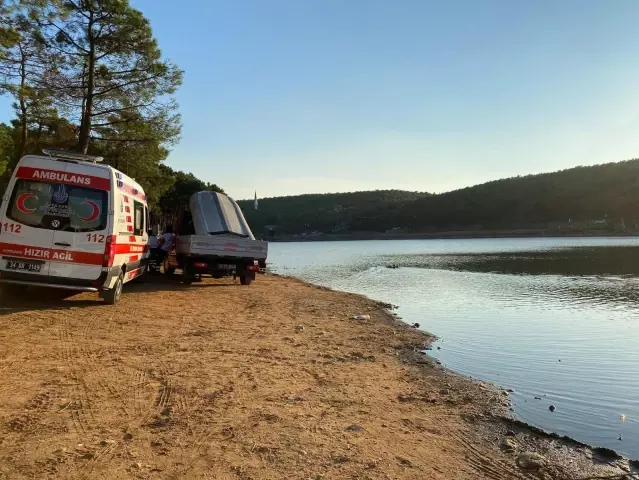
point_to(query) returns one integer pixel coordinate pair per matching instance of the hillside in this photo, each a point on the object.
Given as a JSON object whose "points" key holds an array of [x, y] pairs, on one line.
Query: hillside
{"points": [[604, 197], [336, 213]]}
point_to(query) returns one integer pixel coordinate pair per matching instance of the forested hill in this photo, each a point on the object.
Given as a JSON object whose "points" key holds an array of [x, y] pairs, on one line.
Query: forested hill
{"points": [[582, 198], [336, 212]]}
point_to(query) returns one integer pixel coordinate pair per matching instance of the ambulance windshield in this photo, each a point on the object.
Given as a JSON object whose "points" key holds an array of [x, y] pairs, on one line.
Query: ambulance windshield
{"points": [[58, 206]]}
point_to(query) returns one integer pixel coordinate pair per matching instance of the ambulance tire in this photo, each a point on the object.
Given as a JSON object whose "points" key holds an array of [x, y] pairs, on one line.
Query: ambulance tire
{"points": [[112, 296]]}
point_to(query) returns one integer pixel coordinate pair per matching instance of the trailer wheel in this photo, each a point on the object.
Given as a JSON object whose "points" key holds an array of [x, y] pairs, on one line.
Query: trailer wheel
{"points": [[188, 274], [112, 295]]}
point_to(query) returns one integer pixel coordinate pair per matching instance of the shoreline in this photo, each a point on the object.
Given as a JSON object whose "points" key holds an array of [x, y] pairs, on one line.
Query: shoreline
{"points": [[452, 235], [276, 380], [497, 417]]}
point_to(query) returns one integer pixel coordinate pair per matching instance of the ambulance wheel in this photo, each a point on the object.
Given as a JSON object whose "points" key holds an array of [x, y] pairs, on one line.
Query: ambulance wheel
{"points": [[244, 280], [112, 296]]}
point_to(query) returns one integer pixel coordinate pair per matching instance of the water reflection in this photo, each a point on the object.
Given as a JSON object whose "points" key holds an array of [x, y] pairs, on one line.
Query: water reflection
{"points": [[507, 311]]}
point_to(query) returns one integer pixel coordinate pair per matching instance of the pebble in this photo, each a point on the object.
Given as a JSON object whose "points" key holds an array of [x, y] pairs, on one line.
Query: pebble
{"points": [[415, 325], [552, 408], [354, 428], [128, 436], [509, 445], [510, 433], [295, 398], [299, 328], [530, 461]]}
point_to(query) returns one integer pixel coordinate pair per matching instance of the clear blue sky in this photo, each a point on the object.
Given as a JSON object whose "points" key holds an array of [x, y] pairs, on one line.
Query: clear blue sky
{"points": [[290, 96]]}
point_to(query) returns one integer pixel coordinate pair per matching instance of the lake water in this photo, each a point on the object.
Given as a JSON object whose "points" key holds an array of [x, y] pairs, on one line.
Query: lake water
{"points": [[556, 319]]}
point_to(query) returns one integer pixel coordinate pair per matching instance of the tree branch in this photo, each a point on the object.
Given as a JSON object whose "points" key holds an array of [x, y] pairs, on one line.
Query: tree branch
{"points": [[68, 37], [124, 109], [126, 84], [78, 9], [138, 140]]}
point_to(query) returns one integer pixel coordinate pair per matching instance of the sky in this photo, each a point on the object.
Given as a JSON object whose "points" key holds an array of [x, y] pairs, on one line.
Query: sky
{"points": [[286, 97]]}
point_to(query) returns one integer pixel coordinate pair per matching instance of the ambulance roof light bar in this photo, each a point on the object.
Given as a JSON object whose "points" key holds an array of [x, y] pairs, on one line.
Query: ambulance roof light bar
{"points": [[72, 155]]}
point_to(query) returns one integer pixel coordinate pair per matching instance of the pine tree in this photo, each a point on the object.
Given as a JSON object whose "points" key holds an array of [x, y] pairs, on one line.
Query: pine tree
{"points": [[113, 74], [25, 63]]}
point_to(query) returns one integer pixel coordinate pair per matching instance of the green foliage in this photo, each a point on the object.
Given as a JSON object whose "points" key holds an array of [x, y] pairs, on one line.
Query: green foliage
{"points": [[339, 212], [6, 151], [88, 75], [111, 75], [568, 198], [178, 195], [581, 193]]}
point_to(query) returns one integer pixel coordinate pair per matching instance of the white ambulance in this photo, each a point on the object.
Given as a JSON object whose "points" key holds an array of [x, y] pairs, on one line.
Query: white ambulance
{"points": [[68, 222]]}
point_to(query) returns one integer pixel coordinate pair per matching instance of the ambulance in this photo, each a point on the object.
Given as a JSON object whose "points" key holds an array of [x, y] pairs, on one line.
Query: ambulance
{"points": [[69, 222]]}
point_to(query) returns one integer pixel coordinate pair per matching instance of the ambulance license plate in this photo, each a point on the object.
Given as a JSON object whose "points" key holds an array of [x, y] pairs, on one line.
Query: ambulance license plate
{"points": [[29, 267]]}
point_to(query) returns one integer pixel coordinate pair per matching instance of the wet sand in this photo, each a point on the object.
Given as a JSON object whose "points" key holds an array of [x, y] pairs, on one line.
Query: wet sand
{"points": [[274, 380]]}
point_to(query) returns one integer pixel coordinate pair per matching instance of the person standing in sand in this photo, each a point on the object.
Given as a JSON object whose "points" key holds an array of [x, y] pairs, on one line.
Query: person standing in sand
{"points": [[165, 243]]}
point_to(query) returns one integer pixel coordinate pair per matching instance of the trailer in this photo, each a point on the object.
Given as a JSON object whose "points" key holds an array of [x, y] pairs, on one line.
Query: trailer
{"points": [[215, 240]]}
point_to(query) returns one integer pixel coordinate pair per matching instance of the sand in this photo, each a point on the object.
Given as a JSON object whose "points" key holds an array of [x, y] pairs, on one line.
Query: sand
{"points": [[222, 381]]}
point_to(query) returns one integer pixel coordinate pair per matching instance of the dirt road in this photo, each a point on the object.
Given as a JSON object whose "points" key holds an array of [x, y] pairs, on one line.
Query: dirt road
{"points": [[221, 381]]}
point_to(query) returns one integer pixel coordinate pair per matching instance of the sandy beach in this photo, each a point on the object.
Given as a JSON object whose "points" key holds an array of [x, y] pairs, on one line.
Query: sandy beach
{"points": [[271, 381]]}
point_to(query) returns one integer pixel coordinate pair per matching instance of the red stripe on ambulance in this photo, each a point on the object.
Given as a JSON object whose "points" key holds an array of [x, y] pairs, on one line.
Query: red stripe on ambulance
{"points": [[68, 178], [50, 254], [123, 248]]}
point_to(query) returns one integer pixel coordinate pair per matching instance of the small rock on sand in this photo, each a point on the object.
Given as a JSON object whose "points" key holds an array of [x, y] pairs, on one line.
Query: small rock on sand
{"points": [[530, 461], [296, 398], [509, 445], [354, 428]]}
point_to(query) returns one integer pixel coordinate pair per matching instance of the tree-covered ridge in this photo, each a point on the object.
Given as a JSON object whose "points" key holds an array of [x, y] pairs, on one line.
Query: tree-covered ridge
{"points": [[582, 198], [336, 212], [576, 195]]}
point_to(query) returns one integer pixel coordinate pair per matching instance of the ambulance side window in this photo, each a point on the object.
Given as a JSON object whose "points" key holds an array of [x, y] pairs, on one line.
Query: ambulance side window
{"points": [[138, 220]]}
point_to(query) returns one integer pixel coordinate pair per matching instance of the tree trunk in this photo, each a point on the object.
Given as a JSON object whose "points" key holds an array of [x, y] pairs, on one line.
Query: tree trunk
{"points": [[85, 124], [24, 125]]}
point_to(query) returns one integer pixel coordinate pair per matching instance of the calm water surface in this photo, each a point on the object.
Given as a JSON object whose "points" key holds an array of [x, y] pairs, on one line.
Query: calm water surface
{"points": [[551, 318]]}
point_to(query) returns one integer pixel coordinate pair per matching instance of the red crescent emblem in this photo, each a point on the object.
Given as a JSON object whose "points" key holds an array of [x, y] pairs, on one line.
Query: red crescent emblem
{"points": [[95, 212], [22, 199]]}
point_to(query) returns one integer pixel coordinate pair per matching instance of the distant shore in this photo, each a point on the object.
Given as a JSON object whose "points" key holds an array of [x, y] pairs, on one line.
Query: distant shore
{"points": [[462, 234]]}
